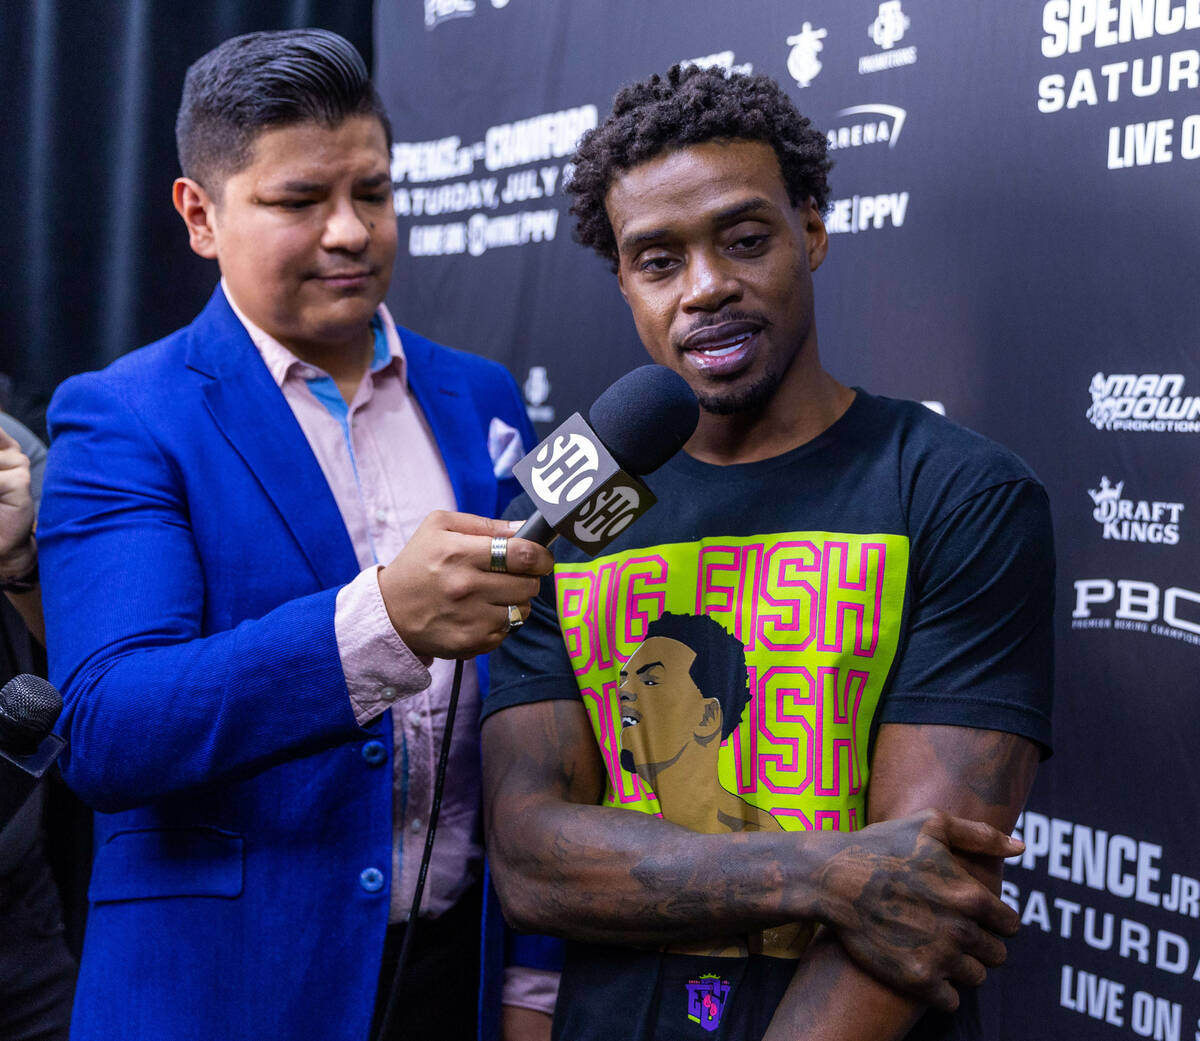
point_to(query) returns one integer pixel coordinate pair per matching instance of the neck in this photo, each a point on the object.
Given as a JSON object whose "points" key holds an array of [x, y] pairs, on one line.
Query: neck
{"points": [[805, 405], [345, 362], [684, 785]]}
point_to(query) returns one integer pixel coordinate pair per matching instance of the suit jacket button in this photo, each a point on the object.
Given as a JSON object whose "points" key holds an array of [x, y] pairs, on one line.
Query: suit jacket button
{"points": [[374, 753], [371, 880]]}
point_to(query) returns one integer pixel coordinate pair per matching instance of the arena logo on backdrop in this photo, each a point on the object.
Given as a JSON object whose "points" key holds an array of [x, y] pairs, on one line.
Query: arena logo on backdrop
{"points": [[723, 60], [804, 63], [1135, 605], [1134, 520], [537, 393], [888, 29], [866, 213], [867, 125], [1146, 403]]}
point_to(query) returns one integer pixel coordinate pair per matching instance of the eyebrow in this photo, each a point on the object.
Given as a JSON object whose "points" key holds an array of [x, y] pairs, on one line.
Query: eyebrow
{"points": [[374, 181], [648, 666], [727, 216]]}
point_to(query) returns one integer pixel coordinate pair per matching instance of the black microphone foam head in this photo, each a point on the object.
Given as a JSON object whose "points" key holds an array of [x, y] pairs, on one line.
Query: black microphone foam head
{"points": [[645, 417], [29, 707]]}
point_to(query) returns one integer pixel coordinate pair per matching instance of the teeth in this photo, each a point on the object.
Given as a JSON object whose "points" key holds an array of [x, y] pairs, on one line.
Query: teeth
{"points": [[720, 352], [628, 721]]}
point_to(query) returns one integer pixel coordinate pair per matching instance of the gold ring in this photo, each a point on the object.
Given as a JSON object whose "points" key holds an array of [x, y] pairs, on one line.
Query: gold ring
{"points": [[499, 560], [515, 621]]}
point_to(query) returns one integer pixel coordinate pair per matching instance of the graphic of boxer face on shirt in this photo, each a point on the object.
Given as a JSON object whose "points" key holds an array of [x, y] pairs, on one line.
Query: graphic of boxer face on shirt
{"points": [[683, 691]]}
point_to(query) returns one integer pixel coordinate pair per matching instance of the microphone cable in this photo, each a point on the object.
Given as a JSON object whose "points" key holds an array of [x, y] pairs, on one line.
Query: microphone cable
{"points": [[389, 1013]]}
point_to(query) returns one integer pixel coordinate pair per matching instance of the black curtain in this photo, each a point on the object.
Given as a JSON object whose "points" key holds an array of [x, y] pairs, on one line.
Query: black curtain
{"points": [[97, 260]]}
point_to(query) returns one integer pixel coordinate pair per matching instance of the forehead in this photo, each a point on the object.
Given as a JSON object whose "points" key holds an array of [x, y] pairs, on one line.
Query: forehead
{"points": [[693, 184], [671, 653], [316, 149]]}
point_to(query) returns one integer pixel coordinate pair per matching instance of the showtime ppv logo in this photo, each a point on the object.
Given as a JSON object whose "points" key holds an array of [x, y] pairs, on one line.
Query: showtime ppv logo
{"points": [[1129, 520], [1149, 402]]}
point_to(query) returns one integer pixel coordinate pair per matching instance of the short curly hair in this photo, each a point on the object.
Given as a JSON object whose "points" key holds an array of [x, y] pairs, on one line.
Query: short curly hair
{"points": [[690, 106], [719, 668]]}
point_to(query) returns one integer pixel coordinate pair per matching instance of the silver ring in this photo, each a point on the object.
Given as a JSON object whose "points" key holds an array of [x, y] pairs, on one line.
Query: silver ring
{"points": [[499, 561], [515, 621]]}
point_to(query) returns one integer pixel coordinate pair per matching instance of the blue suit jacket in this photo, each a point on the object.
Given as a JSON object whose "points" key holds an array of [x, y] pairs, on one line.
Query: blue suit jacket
{"points": [[191, 553]]}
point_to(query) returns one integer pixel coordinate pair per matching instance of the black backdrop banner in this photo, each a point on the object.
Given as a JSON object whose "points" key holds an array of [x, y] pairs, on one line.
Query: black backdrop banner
{"points": [[1016, 235], [97, 261]]}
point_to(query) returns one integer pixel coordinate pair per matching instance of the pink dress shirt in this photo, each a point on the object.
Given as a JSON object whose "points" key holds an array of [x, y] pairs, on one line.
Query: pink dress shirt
{"points": [[386, 474]]}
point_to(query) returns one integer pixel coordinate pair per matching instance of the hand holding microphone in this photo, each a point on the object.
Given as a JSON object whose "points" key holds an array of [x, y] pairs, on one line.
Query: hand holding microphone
{"points": [[464, 582], [461, 584]]}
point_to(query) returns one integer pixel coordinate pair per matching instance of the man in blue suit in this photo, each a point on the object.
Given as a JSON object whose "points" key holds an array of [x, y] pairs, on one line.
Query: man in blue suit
{"points": [[264, 539]]}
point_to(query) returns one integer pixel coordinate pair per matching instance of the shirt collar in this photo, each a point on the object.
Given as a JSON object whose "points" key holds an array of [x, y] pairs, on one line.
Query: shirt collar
{"points": [[282, 363]]}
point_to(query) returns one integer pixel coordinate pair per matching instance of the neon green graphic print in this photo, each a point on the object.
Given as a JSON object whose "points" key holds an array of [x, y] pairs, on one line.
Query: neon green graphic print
{"points": [[817, 615]]}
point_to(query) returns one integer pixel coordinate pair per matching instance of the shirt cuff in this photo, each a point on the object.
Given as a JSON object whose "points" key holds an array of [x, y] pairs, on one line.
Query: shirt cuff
{"points": [[535, 989], [378, 666]]}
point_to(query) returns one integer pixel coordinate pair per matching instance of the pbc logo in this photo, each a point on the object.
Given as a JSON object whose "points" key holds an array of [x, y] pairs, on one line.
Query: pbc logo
{"points": [[1137, 606]]}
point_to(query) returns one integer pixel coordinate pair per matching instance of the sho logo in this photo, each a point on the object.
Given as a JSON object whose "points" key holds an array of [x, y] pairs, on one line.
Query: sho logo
{"points": [[1148, 402], [607, 514], [1136, 606], [888, 28], [706, 1000], [565, 469], [438, 11], [537, 391], [803, 64], [1129, 520]]}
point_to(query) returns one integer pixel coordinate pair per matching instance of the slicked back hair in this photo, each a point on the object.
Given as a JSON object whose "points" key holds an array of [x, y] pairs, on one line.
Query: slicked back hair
{"points": [[261, 81], [719, 668], [689, 107]]}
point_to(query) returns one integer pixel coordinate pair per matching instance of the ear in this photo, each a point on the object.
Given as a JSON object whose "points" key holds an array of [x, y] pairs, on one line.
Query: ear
{"points": [[710, 722], [197, 208], [815, 235]]}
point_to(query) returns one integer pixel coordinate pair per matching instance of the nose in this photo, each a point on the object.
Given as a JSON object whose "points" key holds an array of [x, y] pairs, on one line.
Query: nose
{"points": [[710, 284], [346, 230]]}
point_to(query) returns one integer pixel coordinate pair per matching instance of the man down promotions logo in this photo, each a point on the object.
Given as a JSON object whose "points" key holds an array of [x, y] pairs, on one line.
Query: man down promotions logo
{"points": [[1150, 402]]}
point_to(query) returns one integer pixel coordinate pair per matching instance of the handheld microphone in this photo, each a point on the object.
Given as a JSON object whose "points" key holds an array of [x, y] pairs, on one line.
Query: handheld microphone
{"points": [[28, 708], [583, 479]]}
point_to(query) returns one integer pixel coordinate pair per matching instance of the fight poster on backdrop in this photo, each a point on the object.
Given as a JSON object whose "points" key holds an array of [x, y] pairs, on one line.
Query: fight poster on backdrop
{"points": [[1015, 232]]}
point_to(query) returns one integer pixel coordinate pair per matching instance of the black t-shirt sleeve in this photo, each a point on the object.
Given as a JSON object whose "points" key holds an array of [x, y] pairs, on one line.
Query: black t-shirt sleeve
{"points": [[980, 650], [531, 664]]}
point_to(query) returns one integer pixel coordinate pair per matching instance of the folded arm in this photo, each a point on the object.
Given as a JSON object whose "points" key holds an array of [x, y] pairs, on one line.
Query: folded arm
{"points": [[979, 774], [563, 864]]}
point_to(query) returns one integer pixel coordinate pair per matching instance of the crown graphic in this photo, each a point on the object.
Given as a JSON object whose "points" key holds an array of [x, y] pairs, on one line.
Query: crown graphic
{"points": [[1106, 492]]}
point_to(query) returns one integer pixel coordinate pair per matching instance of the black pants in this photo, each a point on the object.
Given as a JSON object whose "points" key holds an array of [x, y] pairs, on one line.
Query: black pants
{"points": [[439, 995], [37, 974]]}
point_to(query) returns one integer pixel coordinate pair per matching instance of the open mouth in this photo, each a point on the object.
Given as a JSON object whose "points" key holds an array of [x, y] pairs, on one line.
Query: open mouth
{"points": [[629, 721], [722, 349]]}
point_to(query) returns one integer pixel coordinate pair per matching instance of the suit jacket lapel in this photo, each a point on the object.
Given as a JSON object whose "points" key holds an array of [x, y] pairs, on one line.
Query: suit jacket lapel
{"points": [[253, 414], [456, 427]]}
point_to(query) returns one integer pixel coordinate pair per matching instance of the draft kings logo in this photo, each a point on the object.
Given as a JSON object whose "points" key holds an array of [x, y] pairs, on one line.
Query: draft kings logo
{"points": [[731, 682]]}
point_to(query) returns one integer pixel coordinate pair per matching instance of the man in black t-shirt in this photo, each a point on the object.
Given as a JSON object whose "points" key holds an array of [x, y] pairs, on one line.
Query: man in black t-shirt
{"points": [[890, 579]]}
